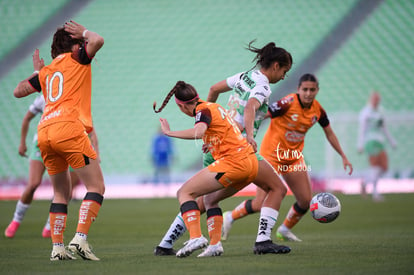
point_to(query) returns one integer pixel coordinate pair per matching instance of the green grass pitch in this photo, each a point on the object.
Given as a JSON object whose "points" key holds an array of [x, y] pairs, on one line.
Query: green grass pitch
{"points": [[367, 238]]}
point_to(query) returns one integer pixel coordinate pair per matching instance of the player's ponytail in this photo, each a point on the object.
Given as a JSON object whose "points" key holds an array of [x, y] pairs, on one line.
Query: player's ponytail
{"points": [[184, 93], [269, 54]]}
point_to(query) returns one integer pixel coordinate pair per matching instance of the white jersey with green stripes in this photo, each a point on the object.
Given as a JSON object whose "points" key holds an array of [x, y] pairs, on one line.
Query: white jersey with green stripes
{"points": [[36, 108], [371, 123], [246, 85]]}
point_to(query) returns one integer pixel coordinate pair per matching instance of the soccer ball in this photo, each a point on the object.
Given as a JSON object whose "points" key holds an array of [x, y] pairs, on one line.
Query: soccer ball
{"points": [[325, 207]]}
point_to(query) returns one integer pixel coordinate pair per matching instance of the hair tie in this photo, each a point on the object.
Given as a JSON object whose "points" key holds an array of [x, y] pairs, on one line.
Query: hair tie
{"points": [[185, 101]]}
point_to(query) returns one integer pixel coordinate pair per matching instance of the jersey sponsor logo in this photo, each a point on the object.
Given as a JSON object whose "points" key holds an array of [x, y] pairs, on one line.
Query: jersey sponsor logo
{"points": [[294, 136], [49, 116], [248, 81], [238, 88]]}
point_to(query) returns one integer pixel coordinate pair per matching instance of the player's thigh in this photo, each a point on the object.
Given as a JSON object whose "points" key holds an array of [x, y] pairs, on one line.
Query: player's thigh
{"points": [[202, 183], [300, 185], [211, 200], [383, 160], [91, 176], [267, 178]]}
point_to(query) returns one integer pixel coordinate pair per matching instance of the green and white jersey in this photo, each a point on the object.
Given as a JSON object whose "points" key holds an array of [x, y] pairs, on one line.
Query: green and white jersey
{"points": [[246, 85], [37, 108], [372, 126]]}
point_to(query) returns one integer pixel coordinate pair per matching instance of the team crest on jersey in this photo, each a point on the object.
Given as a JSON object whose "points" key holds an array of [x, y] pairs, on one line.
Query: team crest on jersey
{"points": [[294, 117], [314, 119]]}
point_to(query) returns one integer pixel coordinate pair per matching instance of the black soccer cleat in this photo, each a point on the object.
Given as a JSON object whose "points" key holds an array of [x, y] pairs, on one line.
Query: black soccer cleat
{"points": [[162, 251], [270, 247]]}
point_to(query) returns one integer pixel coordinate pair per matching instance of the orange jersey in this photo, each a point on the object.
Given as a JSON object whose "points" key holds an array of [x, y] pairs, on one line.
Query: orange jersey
{"points": [[284, 139], [66, 86], [222, 135]]}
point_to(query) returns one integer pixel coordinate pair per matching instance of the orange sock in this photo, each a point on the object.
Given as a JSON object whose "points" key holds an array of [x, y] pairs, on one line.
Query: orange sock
{"points": [[214, 224], [191, 217], [293, 216], [243, 209], [58, 215], [88, 212]]}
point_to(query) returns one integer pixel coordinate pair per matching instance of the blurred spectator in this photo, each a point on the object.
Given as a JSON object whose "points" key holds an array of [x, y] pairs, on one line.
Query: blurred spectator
{"points": [[162, 154]]}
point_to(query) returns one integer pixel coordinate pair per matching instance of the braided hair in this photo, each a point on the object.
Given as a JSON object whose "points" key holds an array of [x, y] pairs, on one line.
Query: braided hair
{"points": [[183, 91]]}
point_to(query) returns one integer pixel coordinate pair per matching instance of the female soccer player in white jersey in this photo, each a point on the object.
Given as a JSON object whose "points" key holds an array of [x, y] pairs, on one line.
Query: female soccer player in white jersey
{"points": [[371, 138]]}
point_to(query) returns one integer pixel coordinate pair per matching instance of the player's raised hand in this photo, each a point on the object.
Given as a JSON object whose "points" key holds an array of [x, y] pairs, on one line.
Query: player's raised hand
{"points": [[165, 127], [38, 62], [76, 30]]}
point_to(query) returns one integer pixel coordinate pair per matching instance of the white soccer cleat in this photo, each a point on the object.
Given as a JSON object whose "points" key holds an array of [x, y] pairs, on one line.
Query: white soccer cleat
{"points": [[191, 245], [81, 247], [227, 223], [59, 253], [287, 235], [212, 250]]}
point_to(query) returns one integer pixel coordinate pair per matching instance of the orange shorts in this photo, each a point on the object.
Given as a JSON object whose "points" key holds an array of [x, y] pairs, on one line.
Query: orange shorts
{"points": [[63, 144], [237, 173], [286, 167]]}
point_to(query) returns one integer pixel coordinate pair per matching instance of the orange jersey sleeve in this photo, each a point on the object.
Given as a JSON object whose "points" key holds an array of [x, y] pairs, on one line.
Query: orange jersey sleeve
{"points": [[284, 139], [66, 86], [222, 135]]}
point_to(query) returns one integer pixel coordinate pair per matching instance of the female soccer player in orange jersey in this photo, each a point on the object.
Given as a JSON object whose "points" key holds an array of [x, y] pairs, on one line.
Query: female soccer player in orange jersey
{"points": [[247, 106], [235, 167], [282, 145], [62, 131]]}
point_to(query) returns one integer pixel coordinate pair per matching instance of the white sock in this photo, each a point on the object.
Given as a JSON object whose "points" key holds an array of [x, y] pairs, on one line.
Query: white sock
{"points": [[375, 174], [176, 230], [21, 209], [268, 218], [229, 217]]}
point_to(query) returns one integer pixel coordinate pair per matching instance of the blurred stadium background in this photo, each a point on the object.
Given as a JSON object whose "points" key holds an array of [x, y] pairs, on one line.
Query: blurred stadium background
{"points": [[353, 46]]}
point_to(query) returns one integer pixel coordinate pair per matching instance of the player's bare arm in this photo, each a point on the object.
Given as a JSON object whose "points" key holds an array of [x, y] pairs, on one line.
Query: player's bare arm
{"points": [[216, 90], [194, 133], [24, 88], [333, 140]]}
